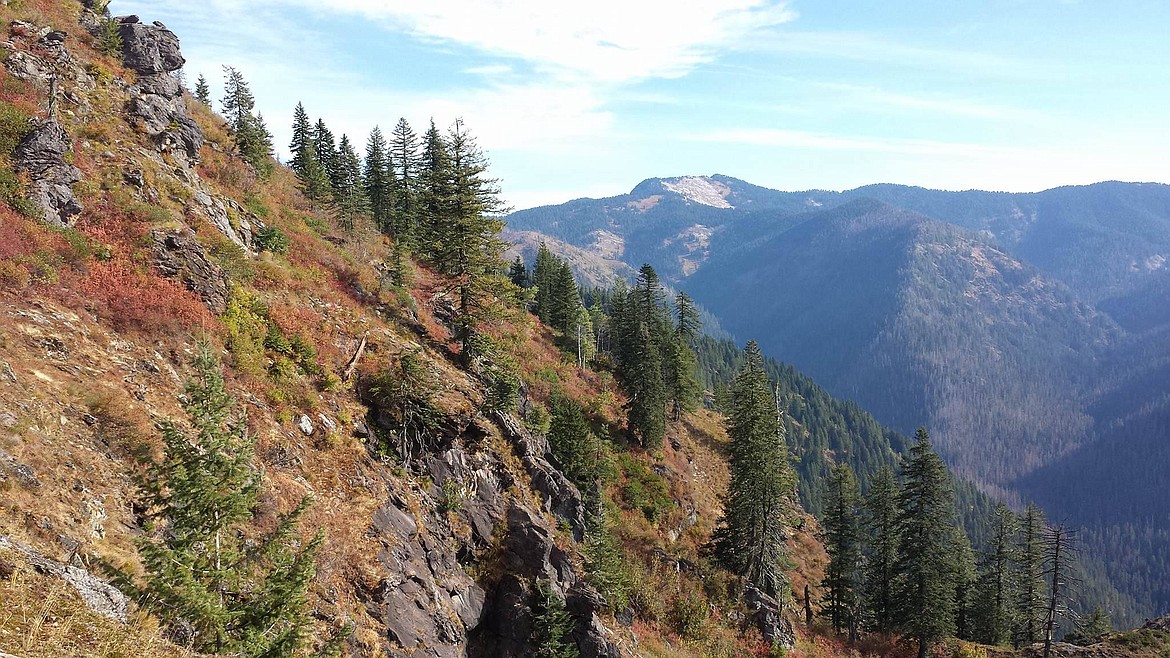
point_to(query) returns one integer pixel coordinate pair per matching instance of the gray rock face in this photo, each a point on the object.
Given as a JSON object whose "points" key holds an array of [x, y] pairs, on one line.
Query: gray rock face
{"points": [[100, 596], [584, 603], [425, 599], [561, 497], [149, 49], [178, 255], [152, 51], [767, 615], [41, 155]]}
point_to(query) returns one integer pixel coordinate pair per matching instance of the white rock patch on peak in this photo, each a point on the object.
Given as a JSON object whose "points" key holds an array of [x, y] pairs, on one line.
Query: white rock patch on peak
{"points": [[700, 190]]}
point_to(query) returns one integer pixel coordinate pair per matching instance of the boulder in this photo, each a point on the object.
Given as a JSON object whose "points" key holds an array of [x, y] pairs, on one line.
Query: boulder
{"points": [[585, 604], [179, 255], [100, 596], [768, 616], [148, 49], [152, 51], [41, 155]]}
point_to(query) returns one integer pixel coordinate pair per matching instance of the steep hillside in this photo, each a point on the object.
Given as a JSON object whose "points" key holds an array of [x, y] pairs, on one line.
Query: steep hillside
{"points": [[923, 324], [1018, 326], [131, 232]]}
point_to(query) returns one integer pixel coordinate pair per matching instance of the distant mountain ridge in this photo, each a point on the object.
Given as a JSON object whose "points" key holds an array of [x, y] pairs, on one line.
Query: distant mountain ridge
{"points": [[1030, 332]]}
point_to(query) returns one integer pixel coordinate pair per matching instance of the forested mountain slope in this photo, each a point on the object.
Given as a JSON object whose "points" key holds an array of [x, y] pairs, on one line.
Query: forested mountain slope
{"points": [[1022, 328]]}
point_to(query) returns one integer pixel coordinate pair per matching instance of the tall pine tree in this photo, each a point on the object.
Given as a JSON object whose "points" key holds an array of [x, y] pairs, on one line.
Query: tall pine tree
{"points": [[1032, 595], [252, 137], [996, 590], [925, 564], [880, 523], [469, 247], [842, 539], [376, 177], [751, 541]]}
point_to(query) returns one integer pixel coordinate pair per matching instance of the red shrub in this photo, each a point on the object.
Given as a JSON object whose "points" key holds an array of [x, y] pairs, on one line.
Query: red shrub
{"points": [[130, 299]]}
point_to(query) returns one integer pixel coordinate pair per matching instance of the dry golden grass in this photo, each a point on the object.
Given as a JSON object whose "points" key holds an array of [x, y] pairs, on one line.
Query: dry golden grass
{"points": [[44, 617]]}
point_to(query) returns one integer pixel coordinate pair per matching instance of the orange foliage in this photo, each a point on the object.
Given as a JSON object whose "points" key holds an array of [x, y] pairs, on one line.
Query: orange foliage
{"points": [[130, 299]]}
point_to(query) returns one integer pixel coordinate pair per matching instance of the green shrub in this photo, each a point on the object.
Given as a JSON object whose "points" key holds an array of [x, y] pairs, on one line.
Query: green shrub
{"points": [[688, 613], [271, 238]]}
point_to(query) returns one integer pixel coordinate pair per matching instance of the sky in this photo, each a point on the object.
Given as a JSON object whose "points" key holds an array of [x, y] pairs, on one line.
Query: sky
{"points": [[574, 99]]}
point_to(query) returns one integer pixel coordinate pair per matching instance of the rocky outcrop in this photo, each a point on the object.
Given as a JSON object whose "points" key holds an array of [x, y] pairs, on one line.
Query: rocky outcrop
{"points": [[178, 255], [152, 52], [1159, 624], [41, 155], [768, 615], [100, 596], [561, 497]]}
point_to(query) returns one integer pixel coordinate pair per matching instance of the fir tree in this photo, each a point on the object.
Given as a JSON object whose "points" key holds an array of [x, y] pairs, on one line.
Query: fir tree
{"points": [[246, 597], [681, 362], [202, 91], [435, 194], [964, 584], [642, 379], [468, 248], [302, 141], [925, 565], [842, 542], [552, 626], [574, 446], [751, 541], [376, 177], [404, 149], [518, 273], [251, 135], [314, 180], [327, 154], [543, 272], [881, 530], [996, 596], [1033, 590], [349, 197]]}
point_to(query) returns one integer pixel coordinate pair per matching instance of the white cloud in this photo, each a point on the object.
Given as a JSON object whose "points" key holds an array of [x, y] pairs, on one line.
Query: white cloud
{"points": [[870, 96], [866, 47], [602, 40]]}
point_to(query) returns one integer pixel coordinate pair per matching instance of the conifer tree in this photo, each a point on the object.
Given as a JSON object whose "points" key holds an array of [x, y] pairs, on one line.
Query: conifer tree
{"points": [[964, 583], [251, 135], [575, 446], [518, 273], [302, 141], [376, 179], [925, 564], [682, 383], [881, 530], [349, 198], [468, 248], [404, 149], [842, 535], [1033, 590], [1059, 552], [202, 91], [751, 541], [996, 592], [543, 272], [552, 626], [327, 154], [240, 594], [642, 379], [434, 194], [314, 180]]}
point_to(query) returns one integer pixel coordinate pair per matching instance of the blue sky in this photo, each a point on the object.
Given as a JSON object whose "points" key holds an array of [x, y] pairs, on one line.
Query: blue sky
{"points": [[588, 99]]}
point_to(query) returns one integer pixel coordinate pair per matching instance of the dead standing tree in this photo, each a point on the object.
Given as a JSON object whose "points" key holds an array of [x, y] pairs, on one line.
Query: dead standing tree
{"points": [[1060, 551]]}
